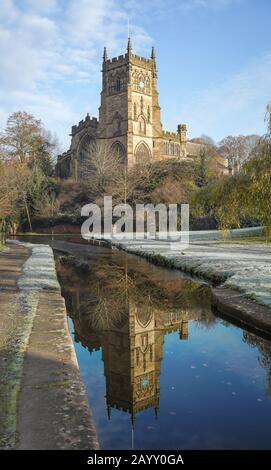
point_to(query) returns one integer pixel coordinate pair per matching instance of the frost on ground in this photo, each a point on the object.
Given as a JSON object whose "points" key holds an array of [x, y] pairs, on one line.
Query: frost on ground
{"points": [[246, 268], [37, 273], [39, 270]]}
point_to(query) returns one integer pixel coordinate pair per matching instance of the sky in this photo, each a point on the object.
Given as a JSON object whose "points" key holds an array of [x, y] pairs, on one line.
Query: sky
{"points": [[213, 59]]}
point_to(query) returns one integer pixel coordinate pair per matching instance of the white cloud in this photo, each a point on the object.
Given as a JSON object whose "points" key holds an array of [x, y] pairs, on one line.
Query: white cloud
{"points": [[41, 6], [48, 45]]}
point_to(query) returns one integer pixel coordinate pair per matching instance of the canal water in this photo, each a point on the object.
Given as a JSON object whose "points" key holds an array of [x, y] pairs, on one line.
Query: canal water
{"points": [[162, 371]]}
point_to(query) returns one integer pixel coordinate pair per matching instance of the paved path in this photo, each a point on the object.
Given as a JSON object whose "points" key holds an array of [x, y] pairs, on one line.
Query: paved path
{"points": [[11, 330], [43, 404]]}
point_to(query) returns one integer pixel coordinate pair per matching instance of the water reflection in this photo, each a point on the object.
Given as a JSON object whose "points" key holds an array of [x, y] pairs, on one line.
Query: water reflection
{"points": [[264, 348], [164, 354], [124, 311]]}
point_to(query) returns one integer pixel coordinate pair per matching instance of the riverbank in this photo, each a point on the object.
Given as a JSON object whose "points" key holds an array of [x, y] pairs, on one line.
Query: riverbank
{"points": [[42, 397], [240, 274]]}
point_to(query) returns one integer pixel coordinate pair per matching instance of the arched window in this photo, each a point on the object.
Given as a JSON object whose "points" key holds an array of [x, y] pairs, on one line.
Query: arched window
{"points": [[177, 150], [144, 315], [118, 84], [142, 153], [166, 148], [84, 152], [118, 151], [141, 125]]}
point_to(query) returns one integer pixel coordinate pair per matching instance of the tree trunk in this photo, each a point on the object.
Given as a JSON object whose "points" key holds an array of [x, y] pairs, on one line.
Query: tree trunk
{"points": [[28, 215]]}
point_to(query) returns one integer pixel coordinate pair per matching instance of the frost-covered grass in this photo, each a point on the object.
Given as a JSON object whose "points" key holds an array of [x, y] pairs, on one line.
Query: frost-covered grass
{"points": [[246, 268]]}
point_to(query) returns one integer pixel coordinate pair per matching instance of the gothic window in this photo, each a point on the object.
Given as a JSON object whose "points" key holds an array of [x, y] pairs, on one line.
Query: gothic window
{"points": [[111, 84], [142, 125], [118, 151], [116, 83], [84, 152], [166, 148], [171, 149], [142, 153], [177, 150], [141, 82], [135, 112], [144, 316]]}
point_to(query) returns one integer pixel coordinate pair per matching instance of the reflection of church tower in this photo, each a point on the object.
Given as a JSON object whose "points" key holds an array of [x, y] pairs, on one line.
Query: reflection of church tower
{"points": [[132, 349], [132, 355]]}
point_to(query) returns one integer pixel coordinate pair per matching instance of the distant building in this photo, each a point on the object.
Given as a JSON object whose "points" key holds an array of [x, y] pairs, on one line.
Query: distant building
{"points": [[129, 118]]}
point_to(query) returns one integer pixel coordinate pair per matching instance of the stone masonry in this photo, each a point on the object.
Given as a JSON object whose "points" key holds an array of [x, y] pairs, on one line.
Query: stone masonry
{"points": [[129, 119]]}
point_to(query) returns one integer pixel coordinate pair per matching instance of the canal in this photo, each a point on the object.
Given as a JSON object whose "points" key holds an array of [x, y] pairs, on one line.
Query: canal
{"points": [[162, 371]]}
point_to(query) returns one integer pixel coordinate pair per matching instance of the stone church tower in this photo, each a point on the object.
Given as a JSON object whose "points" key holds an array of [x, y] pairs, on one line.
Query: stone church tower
{"points": [[129, 115], [129, 118]]}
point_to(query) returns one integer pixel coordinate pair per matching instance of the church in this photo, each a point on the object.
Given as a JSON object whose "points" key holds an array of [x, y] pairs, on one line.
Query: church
{"points": [[129, 119]]}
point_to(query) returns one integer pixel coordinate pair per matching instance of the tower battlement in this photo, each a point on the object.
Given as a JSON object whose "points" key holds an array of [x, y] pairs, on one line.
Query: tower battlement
{"points": [[171, 135], [128, 57], [129, 118], [87, 122]]}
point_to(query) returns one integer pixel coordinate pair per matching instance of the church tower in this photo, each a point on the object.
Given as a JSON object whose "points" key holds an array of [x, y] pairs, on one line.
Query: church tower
{"points": [[129, 119], [129, 115]]}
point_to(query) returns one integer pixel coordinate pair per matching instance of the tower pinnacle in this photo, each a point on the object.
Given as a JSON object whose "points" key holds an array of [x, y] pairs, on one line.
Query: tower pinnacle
{"points": [[154, 62], [105, 54], [129, 46]]}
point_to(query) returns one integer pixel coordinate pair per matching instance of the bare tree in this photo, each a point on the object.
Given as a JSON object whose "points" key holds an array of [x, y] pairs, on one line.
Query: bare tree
{"points": [[237, 149], [203, 139], [25, 140], [23, 192], [106, 172], [100, 167]]}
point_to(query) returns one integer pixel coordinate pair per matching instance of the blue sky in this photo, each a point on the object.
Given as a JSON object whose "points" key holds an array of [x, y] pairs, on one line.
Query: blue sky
{"points": [[214, 59]]}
